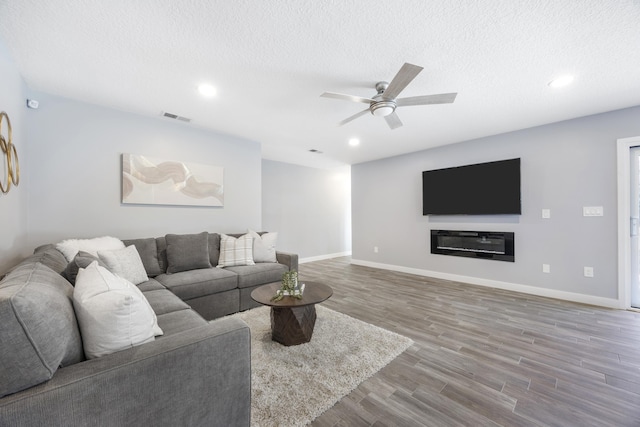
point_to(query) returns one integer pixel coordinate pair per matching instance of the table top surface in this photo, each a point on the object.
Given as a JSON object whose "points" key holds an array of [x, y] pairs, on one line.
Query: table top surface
{"points": [[314, 293]]}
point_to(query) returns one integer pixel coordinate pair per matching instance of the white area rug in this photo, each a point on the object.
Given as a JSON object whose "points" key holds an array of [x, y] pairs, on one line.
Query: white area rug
{"points": [[291, 386]]}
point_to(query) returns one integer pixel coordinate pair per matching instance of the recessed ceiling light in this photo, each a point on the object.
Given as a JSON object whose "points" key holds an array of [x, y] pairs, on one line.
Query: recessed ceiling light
{"points": [[354, 142], [207, 90], [561, 81]]}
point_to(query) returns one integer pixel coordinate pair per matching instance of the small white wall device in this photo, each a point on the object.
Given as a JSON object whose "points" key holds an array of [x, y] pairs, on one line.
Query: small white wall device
{"points": [[33, 104]]}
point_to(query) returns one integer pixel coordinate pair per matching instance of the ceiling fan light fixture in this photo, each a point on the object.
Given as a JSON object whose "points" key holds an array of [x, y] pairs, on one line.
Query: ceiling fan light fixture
{"points": [[383, 108]]}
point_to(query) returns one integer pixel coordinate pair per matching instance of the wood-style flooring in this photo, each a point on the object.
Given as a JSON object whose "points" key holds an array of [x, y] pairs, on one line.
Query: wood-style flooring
{"points": [[484, 357]]}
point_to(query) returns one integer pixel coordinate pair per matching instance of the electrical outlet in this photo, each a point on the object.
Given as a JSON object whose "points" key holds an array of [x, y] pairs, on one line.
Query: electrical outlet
{"points": [[546, 268], [546, 213], [588, 272]]}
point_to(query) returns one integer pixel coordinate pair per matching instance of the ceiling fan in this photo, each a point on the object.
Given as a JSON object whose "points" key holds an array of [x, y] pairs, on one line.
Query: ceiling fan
{"points": [[384, 104]]}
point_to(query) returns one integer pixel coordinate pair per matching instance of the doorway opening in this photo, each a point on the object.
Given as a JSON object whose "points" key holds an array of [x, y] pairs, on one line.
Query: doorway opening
{"points": [[628, 222], [634, 224]]}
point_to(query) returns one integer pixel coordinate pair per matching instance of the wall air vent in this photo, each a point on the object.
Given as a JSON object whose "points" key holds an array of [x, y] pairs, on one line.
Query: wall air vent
{"points": [[176, 117]]}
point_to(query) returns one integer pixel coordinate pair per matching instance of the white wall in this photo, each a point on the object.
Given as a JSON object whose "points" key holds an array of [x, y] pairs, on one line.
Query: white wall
{"points": [[75, 174], [565, 166], [309, 207], [13, 206]]}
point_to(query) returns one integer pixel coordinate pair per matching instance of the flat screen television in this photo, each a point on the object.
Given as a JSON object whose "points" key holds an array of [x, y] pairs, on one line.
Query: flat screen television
{"points": [[491, 188]]}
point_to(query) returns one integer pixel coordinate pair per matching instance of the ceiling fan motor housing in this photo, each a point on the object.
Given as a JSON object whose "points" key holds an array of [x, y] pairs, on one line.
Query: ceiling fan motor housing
{"points": [[382, 107]]}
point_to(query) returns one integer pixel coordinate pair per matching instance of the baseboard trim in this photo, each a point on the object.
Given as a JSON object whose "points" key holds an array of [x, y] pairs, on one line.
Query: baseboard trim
{"points": [[532, 290], [323, 257]]}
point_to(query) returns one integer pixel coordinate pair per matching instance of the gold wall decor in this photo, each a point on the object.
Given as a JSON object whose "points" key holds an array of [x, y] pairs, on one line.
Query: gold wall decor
{"points": [[9, 154]]}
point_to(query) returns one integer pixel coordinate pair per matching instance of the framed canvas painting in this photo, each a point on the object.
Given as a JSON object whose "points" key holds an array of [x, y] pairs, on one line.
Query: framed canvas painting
{"points": [[153, 181]]}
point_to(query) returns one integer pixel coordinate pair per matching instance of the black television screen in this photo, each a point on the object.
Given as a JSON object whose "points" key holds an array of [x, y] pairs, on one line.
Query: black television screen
{"points": [[481, 189]]}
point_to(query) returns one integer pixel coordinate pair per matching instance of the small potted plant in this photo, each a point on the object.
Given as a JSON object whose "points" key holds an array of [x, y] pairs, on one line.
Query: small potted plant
{"points": [[290, 287]]}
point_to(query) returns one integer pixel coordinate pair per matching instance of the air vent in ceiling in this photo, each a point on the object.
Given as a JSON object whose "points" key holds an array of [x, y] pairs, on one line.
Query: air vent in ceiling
{"points": [[176, 117]]}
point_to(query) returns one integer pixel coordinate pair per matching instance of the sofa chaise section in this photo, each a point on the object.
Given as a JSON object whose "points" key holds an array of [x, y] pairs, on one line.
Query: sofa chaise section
{"points": [[198, 377]]}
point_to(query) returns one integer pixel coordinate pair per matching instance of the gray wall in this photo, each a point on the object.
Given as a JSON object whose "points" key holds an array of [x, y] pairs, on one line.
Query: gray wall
{"points": [[13, 206], [565, 166], [75, 173], [309, 207]]}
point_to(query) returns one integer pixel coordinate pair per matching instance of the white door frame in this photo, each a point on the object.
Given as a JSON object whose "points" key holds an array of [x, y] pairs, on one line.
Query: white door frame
{"points": [[624, 226]]}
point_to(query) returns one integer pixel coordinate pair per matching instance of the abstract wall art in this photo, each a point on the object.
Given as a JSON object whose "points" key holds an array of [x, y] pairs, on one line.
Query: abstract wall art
{"points": [[148, 180]]}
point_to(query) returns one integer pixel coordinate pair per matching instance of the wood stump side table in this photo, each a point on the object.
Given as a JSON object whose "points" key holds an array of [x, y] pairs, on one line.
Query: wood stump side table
{"points": [[292, 319]]}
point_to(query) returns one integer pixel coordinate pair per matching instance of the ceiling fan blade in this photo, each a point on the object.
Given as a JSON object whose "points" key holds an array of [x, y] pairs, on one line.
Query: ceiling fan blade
{"points": [[347, 97], [407, 73], [442, 98], [355, 116], [393, 120]]}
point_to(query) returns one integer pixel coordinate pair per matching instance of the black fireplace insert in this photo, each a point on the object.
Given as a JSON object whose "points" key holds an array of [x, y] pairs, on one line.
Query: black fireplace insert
{"points": [[495, 245]]}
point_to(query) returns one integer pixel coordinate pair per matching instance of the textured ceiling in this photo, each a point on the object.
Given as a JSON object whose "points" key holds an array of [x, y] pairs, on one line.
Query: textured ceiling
{"points": [[271, 60]]}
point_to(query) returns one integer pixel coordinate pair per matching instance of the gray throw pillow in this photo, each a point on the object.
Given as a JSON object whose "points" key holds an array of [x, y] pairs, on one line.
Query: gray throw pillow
{"points": [[187, 252], [148, 253], [214, 248], [81, 260], [38, 328]]}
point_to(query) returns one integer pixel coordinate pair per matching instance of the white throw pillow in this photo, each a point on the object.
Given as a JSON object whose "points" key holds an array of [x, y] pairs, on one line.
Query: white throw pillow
{"points": [[235, 251], [112, 313], [126, 263], [264, 247], [71, 247]]}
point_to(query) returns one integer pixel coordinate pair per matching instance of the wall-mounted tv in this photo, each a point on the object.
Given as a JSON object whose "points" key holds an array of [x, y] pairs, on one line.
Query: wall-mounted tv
{"points": [[491, 188]]}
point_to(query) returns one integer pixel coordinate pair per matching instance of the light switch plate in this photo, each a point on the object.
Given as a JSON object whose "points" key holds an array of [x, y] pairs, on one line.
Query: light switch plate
{"points": [[592, 211]]}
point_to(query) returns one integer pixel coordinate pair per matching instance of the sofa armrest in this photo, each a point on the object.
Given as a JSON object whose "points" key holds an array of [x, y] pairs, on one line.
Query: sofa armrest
{"points": [[201, 376], [288, 259]]}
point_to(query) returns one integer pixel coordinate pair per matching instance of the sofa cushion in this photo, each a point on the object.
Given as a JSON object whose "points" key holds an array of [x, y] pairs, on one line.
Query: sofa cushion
{"points": [[113, 314], [264, 246], [164, 301], [187, 252], [235, 251], [258, 274], [38, 328], [180, 321], [216, 305], [148, 251], [197, 283], [49, 256], [81, 260], [126, 263], [71, 247], [150, 285]]}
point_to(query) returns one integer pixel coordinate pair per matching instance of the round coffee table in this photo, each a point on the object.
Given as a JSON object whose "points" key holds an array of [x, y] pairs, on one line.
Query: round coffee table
{"points": [[292, 319]]}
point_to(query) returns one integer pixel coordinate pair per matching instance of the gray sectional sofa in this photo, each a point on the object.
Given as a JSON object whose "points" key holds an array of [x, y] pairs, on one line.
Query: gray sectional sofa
{"points": [[198, 373]]}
